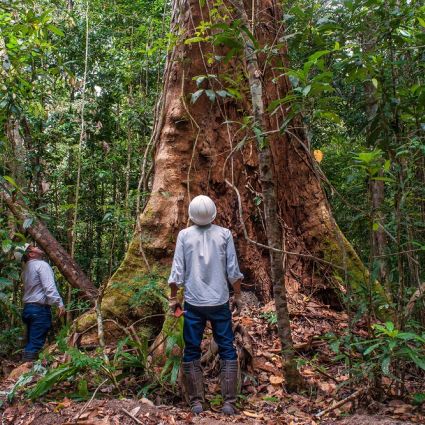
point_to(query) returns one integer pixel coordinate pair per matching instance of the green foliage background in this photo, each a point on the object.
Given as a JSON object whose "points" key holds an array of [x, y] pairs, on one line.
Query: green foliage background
{"points": [[357, 74]]}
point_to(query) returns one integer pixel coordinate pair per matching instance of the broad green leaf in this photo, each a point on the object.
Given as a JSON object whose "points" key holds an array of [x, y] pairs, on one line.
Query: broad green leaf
{"points": [[277, 102], [234, 92], [384, 179], [12, 181], [175, 370], [409, 336], [250, 35], [404, 33], [371, 348], [6, 245], [417, 359], [419, 398], [390, 326], [210, 94], [55, 30], [306, 90], [317, 55], [223, 93], [375, 82], [328, 115], [27, 223], [385, 365], [5, 282], [387, 165], [194, 40], [83, 388], [199, 80], [195, 96]]}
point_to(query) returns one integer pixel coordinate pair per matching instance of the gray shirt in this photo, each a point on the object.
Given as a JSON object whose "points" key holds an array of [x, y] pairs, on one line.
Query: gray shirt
{"points": [[39, 284], [204, 261]]}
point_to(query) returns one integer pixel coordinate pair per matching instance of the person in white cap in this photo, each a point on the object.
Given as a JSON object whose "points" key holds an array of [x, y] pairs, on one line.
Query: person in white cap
{"points": [[204, 262]]}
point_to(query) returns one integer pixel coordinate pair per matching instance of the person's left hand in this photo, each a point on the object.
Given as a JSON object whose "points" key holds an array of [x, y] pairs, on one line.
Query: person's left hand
{"points": [[173, 304], [237, 303], [61, 311]]}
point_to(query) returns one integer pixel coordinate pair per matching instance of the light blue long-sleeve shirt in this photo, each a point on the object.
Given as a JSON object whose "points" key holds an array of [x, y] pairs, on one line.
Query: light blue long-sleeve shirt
{"points": [[39, 284], [204, 261]]}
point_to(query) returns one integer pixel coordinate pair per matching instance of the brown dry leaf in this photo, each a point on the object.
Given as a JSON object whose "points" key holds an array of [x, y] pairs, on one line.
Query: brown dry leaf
{"points": [[29, 421], [259, 363], [146, 401], [246, 321], [213, 387], [85, 415], [20, 370], [66, 402], [9, 414], [276, 380], [270, 306], [271, 389], [327, 387], [308, 372], [263, 377], [252, 414], [403, 409], [104, 421], [318, 155], [135, 411]]}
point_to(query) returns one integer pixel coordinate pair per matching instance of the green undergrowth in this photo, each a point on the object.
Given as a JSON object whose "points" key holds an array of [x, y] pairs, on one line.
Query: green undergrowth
{"points": [[129, 369]]}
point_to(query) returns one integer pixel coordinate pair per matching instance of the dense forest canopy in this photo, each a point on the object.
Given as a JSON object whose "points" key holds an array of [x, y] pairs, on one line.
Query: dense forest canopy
{"points": [[81, 106]]}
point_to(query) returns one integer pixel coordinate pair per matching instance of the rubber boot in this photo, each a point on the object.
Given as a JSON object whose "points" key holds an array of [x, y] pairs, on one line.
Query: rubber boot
{"points": [[229, 376], [29, 356], [193, 381]]}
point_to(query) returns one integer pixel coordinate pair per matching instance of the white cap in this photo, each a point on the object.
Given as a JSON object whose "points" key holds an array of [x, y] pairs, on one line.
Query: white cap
{"points": [[202, 210], [20, 251]]}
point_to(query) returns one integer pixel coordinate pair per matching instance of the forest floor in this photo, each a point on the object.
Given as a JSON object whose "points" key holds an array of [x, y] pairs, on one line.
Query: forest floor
{"points": [[263, 401]]}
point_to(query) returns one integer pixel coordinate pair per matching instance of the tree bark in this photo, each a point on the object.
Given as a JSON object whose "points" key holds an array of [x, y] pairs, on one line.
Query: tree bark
{"points": [[57, 254]]}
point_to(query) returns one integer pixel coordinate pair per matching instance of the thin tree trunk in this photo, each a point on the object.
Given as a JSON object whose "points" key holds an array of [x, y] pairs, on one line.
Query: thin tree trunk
{"points": [[69, 222], [82, 136], [72, 234], [273, 228], [379, 240]]}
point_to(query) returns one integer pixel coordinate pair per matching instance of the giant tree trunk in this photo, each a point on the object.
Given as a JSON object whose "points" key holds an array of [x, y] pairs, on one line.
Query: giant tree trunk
{"points": [[199, 146]]}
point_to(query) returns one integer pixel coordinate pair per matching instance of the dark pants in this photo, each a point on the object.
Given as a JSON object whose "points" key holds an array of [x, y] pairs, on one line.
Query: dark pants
{"points": [[195, 320], [38, 319]]}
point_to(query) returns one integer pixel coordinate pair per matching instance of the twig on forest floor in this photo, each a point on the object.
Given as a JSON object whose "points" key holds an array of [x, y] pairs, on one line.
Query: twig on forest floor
{"points": [[340, 403], [86, 406], [131, 416], [322, 372]]}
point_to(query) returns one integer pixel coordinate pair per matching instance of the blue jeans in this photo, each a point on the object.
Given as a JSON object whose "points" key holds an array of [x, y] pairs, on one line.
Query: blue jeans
{"points": [[195, 320], [38, 319]]}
